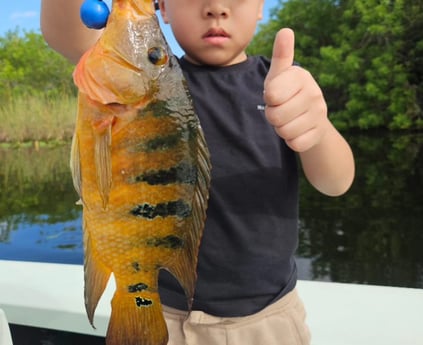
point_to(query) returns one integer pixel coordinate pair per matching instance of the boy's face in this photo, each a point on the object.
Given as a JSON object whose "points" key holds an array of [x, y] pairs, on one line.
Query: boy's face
{"points": [[213, 32]]}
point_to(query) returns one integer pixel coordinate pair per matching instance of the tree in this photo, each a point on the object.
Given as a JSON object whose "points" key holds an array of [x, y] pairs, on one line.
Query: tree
{"points": [[413, 47], [358, 50], [29, 67]]}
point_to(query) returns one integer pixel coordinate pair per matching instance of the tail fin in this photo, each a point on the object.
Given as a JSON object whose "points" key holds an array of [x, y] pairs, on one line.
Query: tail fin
{"points": [[136, 320]]}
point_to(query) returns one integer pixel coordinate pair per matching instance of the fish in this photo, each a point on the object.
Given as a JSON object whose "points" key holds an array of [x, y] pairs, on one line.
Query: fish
{"points": [[141, 166]]}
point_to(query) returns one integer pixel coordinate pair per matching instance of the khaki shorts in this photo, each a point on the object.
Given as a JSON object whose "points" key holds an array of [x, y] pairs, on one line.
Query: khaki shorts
{"points": [[282, 323]]}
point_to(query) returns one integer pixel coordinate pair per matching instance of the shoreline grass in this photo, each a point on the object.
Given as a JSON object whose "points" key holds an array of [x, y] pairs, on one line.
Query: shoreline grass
{"points": [[31, 119], [43, 121]]}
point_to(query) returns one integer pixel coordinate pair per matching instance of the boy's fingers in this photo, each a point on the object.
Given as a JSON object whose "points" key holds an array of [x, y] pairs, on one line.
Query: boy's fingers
{"points": [[283, 53]]}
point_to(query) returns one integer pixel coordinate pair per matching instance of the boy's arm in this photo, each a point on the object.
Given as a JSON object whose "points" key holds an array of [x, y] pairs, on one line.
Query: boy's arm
{"points": [[63, 29], [329, 165], [297, 110]]}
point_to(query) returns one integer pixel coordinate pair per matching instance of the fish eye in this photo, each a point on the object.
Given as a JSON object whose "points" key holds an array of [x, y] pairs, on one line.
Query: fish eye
{"points": [[157, 56]]}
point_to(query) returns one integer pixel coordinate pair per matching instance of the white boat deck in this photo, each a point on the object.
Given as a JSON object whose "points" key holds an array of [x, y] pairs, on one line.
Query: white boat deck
{"points": [[51, 296]]}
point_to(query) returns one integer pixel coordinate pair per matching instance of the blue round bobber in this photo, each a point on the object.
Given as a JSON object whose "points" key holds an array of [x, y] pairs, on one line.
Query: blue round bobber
{"points": [[94, 14]]}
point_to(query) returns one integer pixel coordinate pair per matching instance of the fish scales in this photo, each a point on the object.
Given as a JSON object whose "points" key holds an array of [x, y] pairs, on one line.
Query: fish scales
{"points": [[141, 166]]}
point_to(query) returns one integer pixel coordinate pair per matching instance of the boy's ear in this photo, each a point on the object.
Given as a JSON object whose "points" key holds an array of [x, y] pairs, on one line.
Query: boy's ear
{"points": [[163, 13]]}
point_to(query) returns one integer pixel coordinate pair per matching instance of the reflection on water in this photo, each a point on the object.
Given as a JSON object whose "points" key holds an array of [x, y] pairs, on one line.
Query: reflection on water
{"points": [[373, 234], [370, 235], [39, 220]]}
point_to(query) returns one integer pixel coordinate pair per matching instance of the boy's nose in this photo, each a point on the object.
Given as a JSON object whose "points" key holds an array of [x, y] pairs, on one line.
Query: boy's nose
{"points": [[216, 9]]}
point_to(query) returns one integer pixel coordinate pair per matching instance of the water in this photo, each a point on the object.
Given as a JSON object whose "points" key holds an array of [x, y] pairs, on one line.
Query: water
{"points": [[371, 235], [39, 220]]}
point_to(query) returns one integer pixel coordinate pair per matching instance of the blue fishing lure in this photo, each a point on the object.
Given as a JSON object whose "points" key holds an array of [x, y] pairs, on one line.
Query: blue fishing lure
{"points": [[94, 14]]}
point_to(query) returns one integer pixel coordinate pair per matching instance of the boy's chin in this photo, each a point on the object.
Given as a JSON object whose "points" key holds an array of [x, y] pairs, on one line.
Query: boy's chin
{"points": [[216, 58]]}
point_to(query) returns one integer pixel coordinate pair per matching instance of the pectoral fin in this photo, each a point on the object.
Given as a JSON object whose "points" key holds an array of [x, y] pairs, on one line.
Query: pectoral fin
{"points": [[75, 164], [103, 163]]}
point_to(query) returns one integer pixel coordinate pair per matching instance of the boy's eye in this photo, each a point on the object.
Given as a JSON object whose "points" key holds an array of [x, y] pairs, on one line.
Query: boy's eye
{"points": [[157, 56]]}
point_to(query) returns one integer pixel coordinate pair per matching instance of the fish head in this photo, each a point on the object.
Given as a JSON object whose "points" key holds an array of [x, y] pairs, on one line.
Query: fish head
{"points": [[131, 59], [133, 33]]}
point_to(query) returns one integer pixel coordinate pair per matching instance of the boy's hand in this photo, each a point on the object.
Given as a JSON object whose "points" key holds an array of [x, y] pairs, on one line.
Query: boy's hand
{"points": [[295, 105]]}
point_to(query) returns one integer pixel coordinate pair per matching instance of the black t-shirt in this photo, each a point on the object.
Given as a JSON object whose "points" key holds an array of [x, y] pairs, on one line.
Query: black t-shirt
{"points": [[246, 258]]}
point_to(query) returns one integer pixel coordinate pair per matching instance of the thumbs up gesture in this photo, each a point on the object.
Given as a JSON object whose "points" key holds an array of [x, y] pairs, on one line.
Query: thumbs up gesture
{"points": [[295, 105]]}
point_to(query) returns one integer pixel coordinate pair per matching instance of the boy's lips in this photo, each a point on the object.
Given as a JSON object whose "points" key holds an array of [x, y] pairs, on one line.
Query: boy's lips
{"points": [[216, 36]]}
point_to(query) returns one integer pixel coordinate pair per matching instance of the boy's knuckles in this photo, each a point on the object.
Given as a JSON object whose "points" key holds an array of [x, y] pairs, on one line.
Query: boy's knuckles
{"points": [[272, 96], [272, 116]]}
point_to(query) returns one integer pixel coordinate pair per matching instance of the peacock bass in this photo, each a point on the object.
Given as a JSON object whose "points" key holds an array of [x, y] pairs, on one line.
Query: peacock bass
{"points": [[141, 166]]}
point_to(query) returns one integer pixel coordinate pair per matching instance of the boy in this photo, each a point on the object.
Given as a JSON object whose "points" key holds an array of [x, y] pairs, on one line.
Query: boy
{"points": [[256, 116]]}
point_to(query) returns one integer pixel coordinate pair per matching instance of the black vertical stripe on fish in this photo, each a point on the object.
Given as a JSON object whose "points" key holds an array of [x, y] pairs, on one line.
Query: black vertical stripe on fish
{"points": [[182, 173], [143, 302], [136, 266], [159, 143], [157, 109], [178, 208], [171, 242], [167, 108], [137, 287]]}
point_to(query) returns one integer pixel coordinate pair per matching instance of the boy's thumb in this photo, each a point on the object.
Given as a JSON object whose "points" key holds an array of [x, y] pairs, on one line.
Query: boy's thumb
{"points": [[283, 52]]}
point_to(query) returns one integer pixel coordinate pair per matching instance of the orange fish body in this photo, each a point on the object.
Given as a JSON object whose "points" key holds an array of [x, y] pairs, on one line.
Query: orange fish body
{"points": [[141, 167]]}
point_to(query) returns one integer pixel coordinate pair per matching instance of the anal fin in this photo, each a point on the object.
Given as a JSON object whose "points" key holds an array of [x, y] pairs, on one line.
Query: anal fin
{"points": [[184, 270]]}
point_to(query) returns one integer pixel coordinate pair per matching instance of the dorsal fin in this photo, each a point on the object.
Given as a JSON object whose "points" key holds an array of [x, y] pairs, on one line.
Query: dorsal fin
{"points": [[185, 269]]}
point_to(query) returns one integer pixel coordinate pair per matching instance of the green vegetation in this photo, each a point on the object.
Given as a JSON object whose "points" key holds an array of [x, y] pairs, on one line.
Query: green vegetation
{"points": [[29, 67], [366, 55], [37, 95], [37, 118]]}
